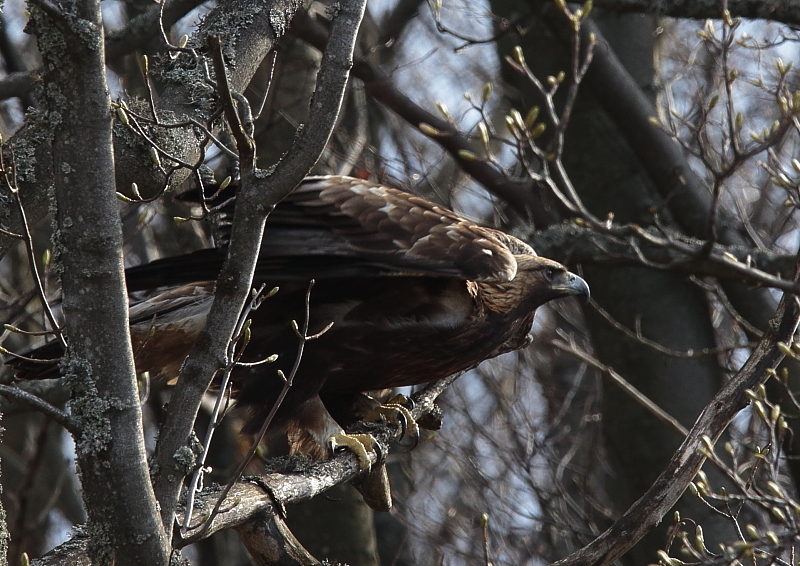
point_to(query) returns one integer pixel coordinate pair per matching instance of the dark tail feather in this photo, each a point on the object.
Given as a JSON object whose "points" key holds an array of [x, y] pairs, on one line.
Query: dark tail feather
{"points": [[45, 366], [202, 265]]}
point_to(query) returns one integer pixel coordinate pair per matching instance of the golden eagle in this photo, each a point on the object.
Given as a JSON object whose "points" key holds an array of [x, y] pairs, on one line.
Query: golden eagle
{"points": [[414, 291]]}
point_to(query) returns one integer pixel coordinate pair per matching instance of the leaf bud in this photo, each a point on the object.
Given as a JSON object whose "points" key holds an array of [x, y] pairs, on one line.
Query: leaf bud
{"points": [[772, 537], [483, 133], [123, 116], [531, 116], [752, 532], [154, 157], [775, 413], [519, 56], [726, 17], [759, 408], [518, 121], [428, 130], [699, 539], [467, 155], [538, 130], [511, 126], [774, 489], [487, 92], [779, 515]]}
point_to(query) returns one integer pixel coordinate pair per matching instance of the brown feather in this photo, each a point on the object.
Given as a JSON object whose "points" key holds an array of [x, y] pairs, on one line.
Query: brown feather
{"points": [[415, 293]]}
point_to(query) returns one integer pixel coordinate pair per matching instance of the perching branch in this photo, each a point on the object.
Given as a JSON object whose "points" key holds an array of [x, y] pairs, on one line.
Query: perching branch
{"points": [[255, 505]]}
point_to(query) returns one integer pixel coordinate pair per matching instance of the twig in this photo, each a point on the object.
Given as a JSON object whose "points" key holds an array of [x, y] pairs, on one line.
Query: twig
{"points": [[634, 393], [11, 183], [216, 413], [61, 417], [304, 338]]}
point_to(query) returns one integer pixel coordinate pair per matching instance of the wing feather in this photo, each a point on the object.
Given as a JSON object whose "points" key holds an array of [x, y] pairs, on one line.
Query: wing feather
{"points": [[399, 228], [343, 226]]}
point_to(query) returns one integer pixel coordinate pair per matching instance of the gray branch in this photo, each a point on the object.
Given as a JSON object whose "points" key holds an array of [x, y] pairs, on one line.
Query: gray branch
{"points": [[259, 192], [251, 507], [88, 247], [785, 11], [573, 244]]}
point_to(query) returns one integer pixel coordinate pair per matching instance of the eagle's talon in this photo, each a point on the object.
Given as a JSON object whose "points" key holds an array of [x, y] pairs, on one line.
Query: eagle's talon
{"points": [[403, 400], [397, 413], [362, 445], [403, 421], [415, 437]]}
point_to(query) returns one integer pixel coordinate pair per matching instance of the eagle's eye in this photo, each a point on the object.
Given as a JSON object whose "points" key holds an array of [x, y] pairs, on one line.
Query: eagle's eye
{"points": [[549, 273]]}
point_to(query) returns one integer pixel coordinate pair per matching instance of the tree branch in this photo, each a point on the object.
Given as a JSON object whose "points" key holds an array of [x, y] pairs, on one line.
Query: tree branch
{"points": [[670, 251], [648, 511], [785, 11], [254, 506], [99, 358], [257, 196]]}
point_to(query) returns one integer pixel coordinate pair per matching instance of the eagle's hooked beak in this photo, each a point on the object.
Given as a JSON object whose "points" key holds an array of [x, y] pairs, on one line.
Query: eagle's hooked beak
{"points": [[570, 284]]}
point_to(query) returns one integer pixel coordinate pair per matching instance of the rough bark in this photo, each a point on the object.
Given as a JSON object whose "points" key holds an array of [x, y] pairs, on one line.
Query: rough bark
{"points": [[99, 364]]}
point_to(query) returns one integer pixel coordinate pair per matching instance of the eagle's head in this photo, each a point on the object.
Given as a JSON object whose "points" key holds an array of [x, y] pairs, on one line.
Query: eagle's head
{"points": [[537, 280]]}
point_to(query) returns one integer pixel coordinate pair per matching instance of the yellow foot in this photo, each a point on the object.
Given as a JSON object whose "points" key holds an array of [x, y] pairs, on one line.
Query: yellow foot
{"points": [[363, 445], [396, 412]]}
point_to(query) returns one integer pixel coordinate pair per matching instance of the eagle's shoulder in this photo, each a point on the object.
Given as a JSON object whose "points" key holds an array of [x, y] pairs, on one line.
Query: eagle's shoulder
{"points": [[394, 225]]}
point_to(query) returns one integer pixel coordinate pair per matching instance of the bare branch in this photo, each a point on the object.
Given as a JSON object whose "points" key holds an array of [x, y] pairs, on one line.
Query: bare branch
{"points": [[253, 503], [43, 407], [648, 511], [785, 11], [256, 198]]}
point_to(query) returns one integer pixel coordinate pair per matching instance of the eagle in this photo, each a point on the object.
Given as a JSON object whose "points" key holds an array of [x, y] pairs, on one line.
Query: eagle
{"points": [[414, 293]]}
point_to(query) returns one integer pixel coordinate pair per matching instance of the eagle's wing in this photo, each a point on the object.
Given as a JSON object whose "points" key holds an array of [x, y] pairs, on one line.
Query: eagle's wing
{"points": [[389, 226], [345, 227]]}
